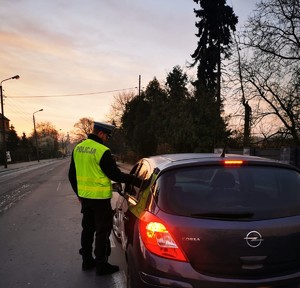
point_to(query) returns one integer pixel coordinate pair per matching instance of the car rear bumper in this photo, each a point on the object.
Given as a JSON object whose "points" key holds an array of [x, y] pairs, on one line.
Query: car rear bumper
{"points": [[181, 274], [155, 281]]}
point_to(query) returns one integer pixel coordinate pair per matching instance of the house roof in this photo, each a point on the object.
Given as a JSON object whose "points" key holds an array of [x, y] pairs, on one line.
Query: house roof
{"points": [[4, 117]]}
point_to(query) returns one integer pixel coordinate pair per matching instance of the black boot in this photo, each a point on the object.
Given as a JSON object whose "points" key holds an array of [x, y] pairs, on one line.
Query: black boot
{"points": [[106, 268], [88, 262]]}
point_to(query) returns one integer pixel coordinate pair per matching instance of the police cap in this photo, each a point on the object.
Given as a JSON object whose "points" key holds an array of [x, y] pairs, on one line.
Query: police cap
{"points": [[105, 127]]}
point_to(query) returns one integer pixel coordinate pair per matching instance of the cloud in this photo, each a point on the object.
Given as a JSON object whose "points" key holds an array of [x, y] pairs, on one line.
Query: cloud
{"points": [[66, 47]]}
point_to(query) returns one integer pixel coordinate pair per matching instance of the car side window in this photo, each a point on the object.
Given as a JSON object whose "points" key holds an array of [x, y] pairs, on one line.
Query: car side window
{"points": [[130, 188], [142, 180]]}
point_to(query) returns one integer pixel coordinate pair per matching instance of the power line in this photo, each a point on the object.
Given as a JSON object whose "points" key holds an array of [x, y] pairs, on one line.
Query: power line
{"points": [[73, 95]]}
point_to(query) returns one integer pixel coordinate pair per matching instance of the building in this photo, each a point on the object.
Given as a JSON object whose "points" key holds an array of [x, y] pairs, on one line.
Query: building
{"points": [[6, 127]]}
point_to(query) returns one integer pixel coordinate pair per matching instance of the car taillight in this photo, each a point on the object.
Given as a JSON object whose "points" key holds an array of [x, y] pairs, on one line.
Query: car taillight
{"points": [[157, 239]]}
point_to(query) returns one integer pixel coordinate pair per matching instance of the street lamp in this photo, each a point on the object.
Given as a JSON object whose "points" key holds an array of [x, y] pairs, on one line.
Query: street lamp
{"points": [[3, 120], [35, 136]]}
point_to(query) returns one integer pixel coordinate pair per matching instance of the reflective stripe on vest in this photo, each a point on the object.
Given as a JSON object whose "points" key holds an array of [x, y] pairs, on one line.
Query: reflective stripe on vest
{"points": [[92, 183]]}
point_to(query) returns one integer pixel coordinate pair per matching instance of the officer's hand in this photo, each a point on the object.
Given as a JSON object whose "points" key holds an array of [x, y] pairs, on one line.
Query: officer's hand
{"points": [[117, 187]]}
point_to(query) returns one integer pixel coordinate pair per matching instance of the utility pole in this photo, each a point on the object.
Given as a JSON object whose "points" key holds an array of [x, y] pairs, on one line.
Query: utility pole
{"points": [[139, 85], [3, 120], [35, 136]]}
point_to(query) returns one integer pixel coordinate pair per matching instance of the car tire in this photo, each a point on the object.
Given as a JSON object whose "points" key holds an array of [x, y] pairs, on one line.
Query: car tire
{"points": [[128, 277], [116, 227], [132, 274]]}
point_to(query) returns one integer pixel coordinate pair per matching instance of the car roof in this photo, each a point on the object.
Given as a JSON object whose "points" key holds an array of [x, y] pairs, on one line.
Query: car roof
{"points": [[166, 161]]}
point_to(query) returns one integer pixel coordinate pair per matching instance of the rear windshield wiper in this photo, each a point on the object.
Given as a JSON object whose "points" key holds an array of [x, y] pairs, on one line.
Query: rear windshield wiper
{"points": [[224, 215]]}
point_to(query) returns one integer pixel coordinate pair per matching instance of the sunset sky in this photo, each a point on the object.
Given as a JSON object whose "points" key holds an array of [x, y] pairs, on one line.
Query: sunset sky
{"points": [[74, 56]]}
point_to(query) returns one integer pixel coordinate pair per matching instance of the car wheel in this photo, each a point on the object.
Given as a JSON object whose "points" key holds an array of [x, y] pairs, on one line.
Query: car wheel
{"points": [[130, 277], [116, 226], [132, 281]]}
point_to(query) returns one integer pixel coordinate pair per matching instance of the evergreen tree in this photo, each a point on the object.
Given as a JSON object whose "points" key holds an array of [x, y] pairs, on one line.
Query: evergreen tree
{"points": [[143, 121], [25, 148], [217, 20], [12, 139], [176, 85], [156, 96], [177, 116], [135, 125]]}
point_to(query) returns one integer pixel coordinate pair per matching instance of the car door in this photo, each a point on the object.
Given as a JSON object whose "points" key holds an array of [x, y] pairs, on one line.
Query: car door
{"points": [[136, 196]]}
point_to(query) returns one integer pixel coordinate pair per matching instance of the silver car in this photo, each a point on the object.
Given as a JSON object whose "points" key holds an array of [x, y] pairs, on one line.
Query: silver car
{"points": [[203, 220]]}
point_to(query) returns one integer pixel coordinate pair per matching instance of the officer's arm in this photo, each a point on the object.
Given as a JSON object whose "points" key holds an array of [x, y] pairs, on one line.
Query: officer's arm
{"points": [[109, 167], [72, 175]]}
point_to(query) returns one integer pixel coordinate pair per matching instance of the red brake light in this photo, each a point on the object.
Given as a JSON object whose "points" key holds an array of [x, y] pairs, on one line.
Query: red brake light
{"points": [[157, 239], [233, 162]]}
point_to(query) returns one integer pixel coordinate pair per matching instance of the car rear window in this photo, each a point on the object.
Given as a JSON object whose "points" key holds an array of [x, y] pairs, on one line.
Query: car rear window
{"points": [[243, 193]]}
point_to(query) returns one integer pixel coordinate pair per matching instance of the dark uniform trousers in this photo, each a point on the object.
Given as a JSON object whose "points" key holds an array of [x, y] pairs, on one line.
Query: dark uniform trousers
{"points": [[96, 222]]}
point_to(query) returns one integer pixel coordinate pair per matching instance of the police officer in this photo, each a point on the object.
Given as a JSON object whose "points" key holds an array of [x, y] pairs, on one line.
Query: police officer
{"points": [[91, 170]]}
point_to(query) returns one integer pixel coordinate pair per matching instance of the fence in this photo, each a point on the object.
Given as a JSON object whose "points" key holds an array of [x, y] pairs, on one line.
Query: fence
{"points": [[290, 155]]}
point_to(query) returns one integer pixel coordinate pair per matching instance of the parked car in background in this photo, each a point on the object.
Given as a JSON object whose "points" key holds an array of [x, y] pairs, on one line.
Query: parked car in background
{"points": [[204, 220], [8, 156]]}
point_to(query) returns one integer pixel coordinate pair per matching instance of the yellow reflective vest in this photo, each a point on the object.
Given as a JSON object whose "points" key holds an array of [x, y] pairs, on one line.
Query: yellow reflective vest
{"points": [[92, 183]]}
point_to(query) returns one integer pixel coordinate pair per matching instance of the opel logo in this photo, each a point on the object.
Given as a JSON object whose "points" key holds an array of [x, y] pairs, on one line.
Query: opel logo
{"points": [[254, 239]]}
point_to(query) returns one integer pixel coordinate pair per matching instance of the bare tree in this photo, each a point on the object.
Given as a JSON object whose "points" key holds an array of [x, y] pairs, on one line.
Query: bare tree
{"points": [[239, 99], [119, 106], [274, 29], [82, 129], [244, 100], [46, 129], [271, 75]]}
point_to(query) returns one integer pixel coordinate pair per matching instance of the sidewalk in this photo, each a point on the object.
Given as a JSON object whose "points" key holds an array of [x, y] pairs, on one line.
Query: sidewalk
{"points": [[20, 165]]}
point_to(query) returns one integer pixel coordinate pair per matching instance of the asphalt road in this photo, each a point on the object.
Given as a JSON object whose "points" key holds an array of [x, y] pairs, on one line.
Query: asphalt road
{"points": [[40, 225]]}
